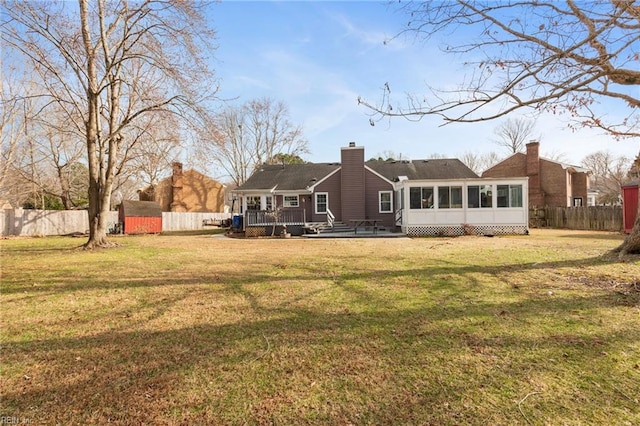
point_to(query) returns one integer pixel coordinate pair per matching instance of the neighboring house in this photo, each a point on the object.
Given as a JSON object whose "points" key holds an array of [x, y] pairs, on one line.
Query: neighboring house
{"points": [[187, 191], [551, 183], [592, 197], [420, 197]]}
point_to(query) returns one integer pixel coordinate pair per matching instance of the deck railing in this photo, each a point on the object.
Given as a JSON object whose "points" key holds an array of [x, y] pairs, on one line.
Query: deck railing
{"points": [[290, 216], [331, 219], [399, 217]]}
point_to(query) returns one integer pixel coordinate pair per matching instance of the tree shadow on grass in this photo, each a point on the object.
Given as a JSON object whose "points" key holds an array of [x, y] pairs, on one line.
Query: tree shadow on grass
{"points": [[141, 279], [303, 356], [383, 365]]}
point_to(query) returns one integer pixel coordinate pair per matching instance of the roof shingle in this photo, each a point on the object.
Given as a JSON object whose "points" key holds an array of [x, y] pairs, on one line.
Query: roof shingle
{"points": [[293, 177]]}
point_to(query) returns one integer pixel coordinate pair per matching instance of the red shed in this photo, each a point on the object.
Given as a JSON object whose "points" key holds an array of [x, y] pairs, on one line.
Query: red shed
{"points": [[629, 205], [141, 217]]}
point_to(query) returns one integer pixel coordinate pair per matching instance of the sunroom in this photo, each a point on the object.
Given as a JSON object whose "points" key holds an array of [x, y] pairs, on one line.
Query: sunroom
{"points": [[462, 206]]}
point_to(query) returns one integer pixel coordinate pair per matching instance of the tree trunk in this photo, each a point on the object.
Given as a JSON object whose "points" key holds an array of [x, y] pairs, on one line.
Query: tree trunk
{"points": [[97, 222], [98, 191], [631, 244]]}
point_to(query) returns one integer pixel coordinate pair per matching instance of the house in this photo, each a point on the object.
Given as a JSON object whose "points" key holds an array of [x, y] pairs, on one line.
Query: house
{"points": [[551, 183], [186, 191], [420, 197]]}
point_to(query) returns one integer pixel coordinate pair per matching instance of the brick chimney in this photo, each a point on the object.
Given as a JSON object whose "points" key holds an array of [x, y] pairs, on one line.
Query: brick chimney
{"points": [[176, 188], [536, 197], [352, 182]]}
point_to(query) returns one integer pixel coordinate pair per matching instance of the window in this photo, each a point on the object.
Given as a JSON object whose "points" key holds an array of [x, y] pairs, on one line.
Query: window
{"points": [[577, 202], [290, 201], [479, 196], [421, 198], [449, 197], [509, 195], [385, 201], [253, 202], [268, 201], [515, 193], [322, 202]]}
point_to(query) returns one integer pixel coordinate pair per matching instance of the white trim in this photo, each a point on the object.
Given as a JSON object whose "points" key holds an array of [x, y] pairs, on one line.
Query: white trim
{"points": [[482, 217], [315, 202], [449, 186], [292, 192], [284, 204], [390, 192], [311, 188], [378, 174], [254, 197]]}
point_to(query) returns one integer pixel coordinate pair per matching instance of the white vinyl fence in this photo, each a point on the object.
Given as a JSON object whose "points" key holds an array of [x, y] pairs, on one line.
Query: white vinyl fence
{"points": [[26, 222]]}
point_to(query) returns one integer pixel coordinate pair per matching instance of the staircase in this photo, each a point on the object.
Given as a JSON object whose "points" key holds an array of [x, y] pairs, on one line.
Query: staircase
{"points": [[325, 228]]}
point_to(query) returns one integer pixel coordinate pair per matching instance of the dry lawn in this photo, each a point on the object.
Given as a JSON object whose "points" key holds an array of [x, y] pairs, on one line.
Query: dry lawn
{"points": [[205, 330]]}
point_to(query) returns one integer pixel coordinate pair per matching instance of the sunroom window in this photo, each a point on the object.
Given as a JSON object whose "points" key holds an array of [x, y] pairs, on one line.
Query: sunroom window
{"points": [[509, 195], [421, 197]]}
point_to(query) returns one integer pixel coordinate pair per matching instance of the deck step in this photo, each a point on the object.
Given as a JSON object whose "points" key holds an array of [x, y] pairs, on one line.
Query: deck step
{"points": [[324, 228]]}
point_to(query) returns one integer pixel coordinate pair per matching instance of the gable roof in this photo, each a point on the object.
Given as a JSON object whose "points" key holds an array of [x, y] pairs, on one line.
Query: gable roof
{"points": [[523, 157], [289, 177], [167, 181], [293, 177], [441, 168]]}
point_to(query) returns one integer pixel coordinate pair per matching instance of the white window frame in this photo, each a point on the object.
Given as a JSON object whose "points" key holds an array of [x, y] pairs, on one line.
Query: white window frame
{"points": [[448, 190], [424, 203], [287, 203], [253, 198], [510, 200], [268, 202], [380, 210], [326, 202]]}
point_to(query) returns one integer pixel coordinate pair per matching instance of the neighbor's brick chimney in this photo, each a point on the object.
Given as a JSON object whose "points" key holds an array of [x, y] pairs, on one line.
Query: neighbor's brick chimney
{"points": [[176, 188], [352, 184], [536, 197]]}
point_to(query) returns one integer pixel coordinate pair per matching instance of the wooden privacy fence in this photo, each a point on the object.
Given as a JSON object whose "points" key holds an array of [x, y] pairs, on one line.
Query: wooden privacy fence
{"points": [[598, 218], [190, 221], [26, 222]]}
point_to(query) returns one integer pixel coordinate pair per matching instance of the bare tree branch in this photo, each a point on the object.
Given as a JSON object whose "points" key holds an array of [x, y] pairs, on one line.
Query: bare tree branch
{"points": [[556, 57], [107, 65]]}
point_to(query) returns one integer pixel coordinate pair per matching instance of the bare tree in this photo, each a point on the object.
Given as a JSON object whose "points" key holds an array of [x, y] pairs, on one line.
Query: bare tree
{"points": [[154, 145], [634, 170], [558, 57], [539, 56], [608, 174], [111, 63], [513, 134], [254, 133], [480, 162]]}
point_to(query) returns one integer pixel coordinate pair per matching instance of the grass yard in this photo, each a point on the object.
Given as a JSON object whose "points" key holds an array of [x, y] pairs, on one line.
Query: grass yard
{"points": [[200, 330]]}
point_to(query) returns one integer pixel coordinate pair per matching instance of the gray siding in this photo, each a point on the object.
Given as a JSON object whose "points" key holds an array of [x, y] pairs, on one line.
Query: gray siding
{"points": [[332, 187], [374, 184], [353, 183]]}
